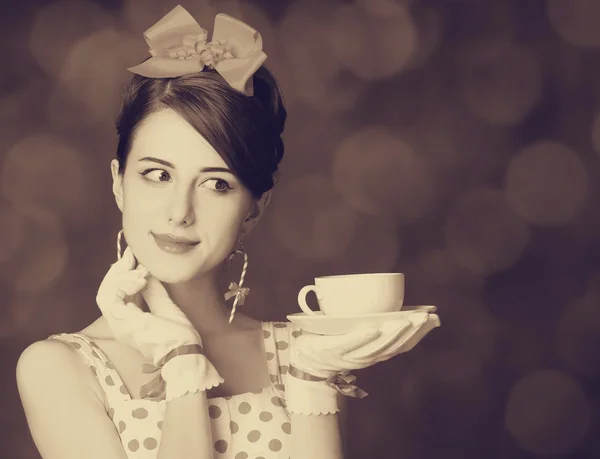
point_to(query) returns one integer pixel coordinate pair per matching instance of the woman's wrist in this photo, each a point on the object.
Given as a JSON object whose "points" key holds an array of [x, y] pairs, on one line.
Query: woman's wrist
{"points": [[189, 374], [308, 393], [310, 397]]}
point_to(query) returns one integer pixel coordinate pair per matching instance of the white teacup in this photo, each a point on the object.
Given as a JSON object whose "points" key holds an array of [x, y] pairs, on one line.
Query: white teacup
{"points": [[352, 294]]}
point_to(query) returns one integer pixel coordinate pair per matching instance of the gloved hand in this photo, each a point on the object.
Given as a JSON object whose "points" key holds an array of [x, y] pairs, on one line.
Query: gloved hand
{"points": [[320, 364], [164, 336]]}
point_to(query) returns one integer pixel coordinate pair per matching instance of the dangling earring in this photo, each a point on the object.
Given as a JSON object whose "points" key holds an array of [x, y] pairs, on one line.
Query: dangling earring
{"points": [[119, 237], [240, 293]]}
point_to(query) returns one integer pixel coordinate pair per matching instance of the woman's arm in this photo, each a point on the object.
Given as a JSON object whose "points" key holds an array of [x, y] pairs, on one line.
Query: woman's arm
{"points": [[66, 417], [186, 431], [68, 420], [322, 436]]}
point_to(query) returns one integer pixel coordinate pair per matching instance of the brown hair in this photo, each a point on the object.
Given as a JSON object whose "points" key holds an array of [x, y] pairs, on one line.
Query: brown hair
{"points": [[244, 130]]}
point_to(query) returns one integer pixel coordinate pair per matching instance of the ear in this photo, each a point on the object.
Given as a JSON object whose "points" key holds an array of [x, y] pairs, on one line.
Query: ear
{"points": [[255, 213], [117, 183]]}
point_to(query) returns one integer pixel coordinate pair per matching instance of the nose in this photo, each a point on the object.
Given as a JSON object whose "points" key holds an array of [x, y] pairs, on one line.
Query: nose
{"points": [[181, 208]]}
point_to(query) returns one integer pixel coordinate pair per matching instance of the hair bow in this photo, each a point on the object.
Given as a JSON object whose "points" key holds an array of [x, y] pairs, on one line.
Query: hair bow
{"points": [[178, 46]]}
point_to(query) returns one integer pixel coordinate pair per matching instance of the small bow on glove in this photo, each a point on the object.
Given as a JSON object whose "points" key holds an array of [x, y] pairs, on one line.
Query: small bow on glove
{"points": [[320, 365], [159, 335]]}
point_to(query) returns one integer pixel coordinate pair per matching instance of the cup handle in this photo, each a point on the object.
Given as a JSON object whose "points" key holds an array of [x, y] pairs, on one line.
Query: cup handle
{"points": [[302, 298]]}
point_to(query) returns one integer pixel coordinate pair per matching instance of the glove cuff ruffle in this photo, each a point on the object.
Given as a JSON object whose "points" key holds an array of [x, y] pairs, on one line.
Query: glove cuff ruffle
{"points": [[189, 373], [312, 395]]}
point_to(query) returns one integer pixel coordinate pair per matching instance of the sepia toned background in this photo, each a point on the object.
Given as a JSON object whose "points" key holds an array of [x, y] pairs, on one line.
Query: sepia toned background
{"points": [[456, 141]]}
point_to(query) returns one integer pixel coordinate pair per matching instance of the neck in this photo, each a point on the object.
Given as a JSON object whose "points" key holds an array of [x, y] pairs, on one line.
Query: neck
{"points": [[202, 301]]}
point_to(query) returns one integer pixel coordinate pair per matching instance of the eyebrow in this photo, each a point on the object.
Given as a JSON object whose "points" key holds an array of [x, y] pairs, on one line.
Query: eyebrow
{"points": [[172, 166]]}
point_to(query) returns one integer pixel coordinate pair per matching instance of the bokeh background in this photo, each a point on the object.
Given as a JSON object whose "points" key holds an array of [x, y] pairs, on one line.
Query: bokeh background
{"points": [[456, 141]]}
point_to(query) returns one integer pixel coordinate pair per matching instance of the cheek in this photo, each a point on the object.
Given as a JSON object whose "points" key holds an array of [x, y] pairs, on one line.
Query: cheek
{"points": [[138, 206], [220, 222], [139, 213]]}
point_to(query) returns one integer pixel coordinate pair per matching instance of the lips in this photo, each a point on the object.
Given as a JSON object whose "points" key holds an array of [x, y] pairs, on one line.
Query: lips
{"points": [[174, 244]]}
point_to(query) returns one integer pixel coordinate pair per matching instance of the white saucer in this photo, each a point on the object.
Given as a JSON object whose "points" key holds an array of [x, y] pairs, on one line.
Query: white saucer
{"points": [[338, 325]]}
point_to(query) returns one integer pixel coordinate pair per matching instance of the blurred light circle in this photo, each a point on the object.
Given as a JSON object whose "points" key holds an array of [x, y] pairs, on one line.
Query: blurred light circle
{"points": [[331, 95], [302, 36], [12, 226], [504, 89], [483, 234], [17, 101], [578, 336], [454, 139], [546, 183], [42, 256], [18, 314], [312, 220], [469, 326], [576, 21], [439, 267], [139, 15], [429, 24], [94, 70], [548, 413], [373, 47], [381, 174], [312, 135], [64, 109], [376, 247], [59, 25], [41, 172]]}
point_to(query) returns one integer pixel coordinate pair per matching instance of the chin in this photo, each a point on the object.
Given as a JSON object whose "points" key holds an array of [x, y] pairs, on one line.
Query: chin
{"points": [[170, 276], [167, 269], [172, 272]]}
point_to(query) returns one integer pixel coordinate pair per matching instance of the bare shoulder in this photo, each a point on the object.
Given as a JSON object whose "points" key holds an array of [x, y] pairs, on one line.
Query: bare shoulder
{"points": [[54, 363], [66, 418], [45, 355]]}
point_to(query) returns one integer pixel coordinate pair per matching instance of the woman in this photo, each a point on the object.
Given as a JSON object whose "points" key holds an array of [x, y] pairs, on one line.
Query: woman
{"points": [[175, 373]]}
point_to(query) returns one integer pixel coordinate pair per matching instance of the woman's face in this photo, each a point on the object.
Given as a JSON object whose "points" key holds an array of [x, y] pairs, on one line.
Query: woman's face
{"points": [[176, 185]]}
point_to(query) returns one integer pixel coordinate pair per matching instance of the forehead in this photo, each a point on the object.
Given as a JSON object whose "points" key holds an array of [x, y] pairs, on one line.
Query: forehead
{"points": [[166, 135]]}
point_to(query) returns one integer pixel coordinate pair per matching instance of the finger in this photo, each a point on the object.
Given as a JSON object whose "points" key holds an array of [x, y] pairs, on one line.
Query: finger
{"points": [[158, 300], [128, 311], [130, 287], [412, 338], [391, 333], [126, 263], [128, 283], [341, 344], [425, 308], [432, 322], [142, 270], [155, 290], [327, 363]]}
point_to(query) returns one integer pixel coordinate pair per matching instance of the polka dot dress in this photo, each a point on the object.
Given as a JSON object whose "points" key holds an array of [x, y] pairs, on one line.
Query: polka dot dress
{"points": [[254, 425]]}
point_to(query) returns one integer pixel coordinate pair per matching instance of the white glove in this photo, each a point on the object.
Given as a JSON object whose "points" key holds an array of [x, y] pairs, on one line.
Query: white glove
{"points": [[159, 335], [320, 365]]}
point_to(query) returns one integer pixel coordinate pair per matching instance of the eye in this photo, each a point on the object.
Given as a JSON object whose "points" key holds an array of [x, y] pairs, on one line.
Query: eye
{"points": [[218, 185], [156, 175]]}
